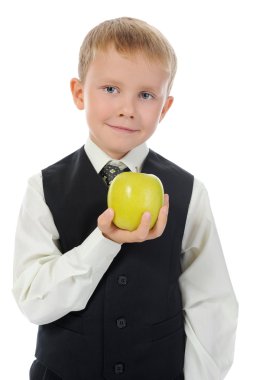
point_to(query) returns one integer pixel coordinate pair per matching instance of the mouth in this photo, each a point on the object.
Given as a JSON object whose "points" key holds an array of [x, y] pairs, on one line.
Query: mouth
{"points": [[121, 128]]}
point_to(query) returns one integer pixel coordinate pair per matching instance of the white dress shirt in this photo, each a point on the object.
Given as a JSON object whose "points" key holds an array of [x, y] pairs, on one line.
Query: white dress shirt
{"points": [[48, 285]]}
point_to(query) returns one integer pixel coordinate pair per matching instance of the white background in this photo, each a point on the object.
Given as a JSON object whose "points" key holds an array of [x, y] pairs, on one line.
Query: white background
{"points": [[207, 131]]}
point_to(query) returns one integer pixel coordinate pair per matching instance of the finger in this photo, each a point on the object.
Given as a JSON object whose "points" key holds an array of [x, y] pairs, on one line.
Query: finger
{"points": [[166, 200], [143, 229], [161, 220], [136, 236]]}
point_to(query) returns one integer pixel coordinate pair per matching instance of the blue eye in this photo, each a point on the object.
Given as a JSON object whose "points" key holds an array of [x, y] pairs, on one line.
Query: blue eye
{"points": [[110, 89], [146, 95]]}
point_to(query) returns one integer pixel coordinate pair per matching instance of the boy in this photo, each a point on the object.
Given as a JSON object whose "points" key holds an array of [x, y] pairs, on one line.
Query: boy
{"points": [[143, 305]]}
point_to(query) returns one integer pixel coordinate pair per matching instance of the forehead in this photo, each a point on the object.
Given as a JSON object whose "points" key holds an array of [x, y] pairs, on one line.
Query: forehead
{"points": [[135, 67]]}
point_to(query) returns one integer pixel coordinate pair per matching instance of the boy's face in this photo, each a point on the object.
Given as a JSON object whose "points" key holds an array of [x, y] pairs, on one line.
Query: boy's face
{"points": [[124, 98]]}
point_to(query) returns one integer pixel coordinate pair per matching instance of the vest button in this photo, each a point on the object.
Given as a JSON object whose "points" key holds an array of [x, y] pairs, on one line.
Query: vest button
{"points": [[122, 280], [121, 323], [119, 368]]}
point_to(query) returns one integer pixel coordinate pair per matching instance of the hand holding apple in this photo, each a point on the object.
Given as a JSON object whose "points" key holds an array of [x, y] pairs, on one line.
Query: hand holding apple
{"points": [[141, 233], [131, 194]]}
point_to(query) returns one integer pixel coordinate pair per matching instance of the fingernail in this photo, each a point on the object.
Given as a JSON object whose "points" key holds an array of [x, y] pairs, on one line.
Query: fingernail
{"points": [[147, 215]]}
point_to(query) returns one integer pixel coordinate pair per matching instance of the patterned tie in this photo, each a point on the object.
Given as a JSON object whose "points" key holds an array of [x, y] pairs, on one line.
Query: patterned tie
{"points": [[110, 171]]}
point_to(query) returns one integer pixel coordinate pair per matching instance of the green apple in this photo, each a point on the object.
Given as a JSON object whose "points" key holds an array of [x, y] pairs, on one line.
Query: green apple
{"points": [[131, 194]]}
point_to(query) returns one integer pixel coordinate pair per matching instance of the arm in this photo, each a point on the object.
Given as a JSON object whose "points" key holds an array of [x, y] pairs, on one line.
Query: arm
{"points": [[46, 284], [208, 299]]}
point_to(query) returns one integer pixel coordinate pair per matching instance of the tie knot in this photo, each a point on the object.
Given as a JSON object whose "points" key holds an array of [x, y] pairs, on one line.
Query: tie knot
{"points": [[110, 171]]}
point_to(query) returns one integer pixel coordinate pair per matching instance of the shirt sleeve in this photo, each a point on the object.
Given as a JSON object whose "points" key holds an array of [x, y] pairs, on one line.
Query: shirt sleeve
{"points": [[47, 284], [209, 301]]}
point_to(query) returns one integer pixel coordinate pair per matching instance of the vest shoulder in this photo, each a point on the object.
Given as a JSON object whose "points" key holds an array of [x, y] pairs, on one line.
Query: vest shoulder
{"points": [[168, 165], [64, 163]]}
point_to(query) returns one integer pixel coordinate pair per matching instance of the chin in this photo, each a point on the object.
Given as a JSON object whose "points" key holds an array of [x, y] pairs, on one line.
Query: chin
{"points": [[118, 153]]}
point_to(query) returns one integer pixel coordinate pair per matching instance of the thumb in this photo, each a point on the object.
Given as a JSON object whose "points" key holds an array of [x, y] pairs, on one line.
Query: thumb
{"points": [[105, 220]]}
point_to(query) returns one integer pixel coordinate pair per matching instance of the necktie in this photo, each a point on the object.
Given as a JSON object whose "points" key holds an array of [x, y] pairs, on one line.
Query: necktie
{"points": [[109, 172]]}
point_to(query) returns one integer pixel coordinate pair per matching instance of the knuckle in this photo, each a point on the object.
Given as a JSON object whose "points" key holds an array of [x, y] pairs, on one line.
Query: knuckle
{"points": [[135, 238], [156, 233], [141, 237], [101, 222]]}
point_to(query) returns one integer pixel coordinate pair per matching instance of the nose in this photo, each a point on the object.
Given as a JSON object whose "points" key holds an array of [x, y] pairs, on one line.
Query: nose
{"points": [[127, 108]]}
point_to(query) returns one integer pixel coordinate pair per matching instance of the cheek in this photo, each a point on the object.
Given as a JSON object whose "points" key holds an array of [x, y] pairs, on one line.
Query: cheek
{"points": [[95, 109], [151, 116], [101, 108]]}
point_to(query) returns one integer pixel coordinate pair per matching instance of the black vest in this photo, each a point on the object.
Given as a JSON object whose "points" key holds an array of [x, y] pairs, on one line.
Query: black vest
{"points": [[132, 327]]}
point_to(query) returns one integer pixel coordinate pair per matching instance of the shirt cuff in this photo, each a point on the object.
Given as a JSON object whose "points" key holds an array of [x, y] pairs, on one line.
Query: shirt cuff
{"points": [[96, 251]]}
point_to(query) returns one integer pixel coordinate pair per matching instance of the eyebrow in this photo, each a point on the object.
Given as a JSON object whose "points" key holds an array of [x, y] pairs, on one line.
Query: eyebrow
{"points": [[111, 81]]}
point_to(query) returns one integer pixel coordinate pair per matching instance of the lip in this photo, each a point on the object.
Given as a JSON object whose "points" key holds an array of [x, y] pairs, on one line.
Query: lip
{"points": [[121, 128]]}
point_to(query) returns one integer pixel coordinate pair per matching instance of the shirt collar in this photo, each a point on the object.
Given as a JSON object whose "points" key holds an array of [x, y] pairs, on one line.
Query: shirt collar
{"points": [[133, 159]]}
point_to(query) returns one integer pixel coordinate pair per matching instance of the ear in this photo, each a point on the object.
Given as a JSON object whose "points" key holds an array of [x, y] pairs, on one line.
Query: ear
{"points": [[77, 93], [166, 107]]}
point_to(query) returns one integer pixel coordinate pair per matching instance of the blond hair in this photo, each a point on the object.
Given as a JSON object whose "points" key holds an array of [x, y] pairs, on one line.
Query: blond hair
{"points": [[128, 36]]}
